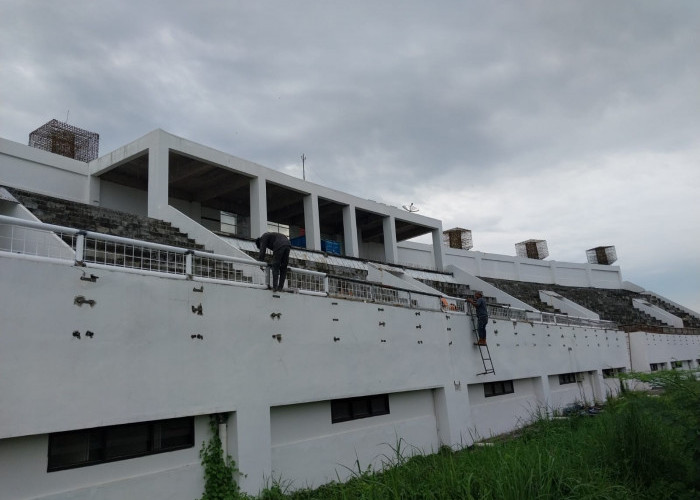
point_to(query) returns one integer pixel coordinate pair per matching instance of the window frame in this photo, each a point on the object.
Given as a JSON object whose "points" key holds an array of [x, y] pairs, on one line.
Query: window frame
{"points": [[567, 378], [498, 388], [348, 409], [101, 443]]}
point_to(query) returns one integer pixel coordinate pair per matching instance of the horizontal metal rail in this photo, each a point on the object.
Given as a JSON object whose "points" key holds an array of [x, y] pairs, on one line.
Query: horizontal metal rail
{"points": [[85, 248]]}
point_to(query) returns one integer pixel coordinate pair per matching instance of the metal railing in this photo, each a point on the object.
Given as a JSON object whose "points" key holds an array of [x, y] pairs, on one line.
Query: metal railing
{"points": [[20, 236], [106, 250], [34, 238], [660, 329], [224, 268], [310, 281], [564, 320], [350, 289]]}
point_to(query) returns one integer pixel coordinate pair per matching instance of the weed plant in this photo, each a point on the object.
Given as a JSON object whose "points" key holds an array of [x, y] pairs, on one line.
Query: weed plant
{"points": [[639, 447]]}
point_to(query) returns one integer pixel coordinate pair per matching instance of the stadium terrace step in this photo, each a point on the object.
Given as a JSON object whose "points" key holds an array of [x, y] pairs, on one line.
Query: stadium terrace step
{"points": [[102, 220], [610, 304]]}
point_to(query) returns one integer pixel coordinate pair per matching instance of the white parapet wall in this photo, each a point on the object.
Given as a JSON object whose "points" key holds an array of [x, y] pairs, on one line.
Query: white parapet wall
{"points": [[662, 350], [658, 313], [488, 265], [566, 306]]}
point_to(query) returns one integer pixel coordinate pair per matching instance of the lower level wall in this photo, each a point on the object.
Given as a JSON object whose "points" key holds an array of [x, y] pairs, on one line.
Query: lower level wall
{"points": [[309, 450], [506, 412], [176, 474]]}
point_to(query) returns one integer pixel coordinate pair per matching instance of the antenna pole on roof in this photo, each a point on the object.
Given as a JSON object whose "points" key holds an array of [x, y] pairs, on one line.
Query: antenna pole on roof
{"points": [[303, 169]]}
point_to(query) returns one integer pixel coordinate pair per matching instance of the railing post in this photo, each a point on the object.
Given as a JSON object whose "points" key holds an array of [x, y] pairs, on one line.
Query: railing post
{"points": [[188, 264], [80, 248], [326, 287]]}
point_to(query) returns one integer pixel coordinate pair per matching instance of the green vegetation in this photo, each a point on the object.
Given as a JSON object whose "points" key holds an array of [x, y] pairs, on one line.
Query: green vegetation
{"points": [[641, 446], [219, 471]]}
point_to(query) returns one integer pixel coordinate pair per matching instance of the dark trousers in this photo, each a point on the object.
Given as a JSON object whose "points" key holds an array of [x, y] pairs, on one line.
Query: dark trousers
{"points": [[280, 261], [481, 323]]}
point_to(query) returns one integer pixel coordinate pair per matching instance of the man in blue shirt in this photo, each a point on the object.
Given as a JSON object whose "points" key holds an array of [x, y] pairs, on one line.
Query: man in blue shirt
{"points": [[280, 246], [482, 316]]}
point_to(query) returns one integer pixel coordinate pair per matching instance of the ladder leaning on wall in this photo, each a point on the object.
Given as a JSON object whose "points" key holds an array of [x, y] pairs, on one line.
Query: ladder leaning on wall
{"points": [[483, 349]]}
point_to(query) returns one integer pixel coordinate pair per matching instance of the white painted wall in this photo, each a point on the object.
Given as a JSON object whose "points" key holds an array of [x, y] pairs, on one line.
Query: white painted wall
{"points": [[307, 449], [498, 414], [123, 198], [42, 172], [647, 348], [176, 474]]}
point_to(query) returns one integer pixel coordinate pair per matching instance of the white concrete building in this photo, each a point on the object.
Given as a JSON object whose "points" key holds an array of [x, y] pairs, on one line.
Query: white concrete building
{"points": [[115, 353]]}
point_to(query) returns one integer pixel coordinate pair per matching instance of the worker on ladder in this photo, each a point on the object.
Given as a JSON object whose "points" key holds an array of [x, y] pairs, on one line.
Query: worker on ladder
{"points": [[482, 316]]}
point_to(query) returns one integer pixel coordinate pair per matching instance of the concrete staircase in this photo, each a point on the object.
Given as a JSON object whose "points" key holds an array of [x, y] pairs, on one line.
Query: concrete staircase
{"points": [[611, 305], [102, 220]]}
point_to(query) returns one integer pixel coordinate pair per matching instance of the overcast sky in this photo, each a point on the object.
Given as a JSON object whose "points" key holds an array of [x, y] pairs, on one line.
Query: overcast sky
{"points": [[573, 122]]}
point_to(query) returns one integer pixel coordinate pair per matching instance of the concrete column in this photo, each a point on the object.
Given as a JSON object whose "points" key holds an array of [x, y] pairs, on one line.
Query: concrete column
{"points": [[453, 414], [253, 446], [157, 177], [477, 265], [597, 385], [258, 206], [542, 392], [589, 275], [553, 269], [391, 254], [311, 222], [438, 249], [352, 247], [93, 191]]}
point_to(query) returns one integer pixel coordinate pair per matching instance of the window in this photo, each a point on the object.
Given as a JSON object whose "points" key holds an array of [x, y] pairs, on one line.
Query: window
{"points": [[676, 364], [567, 378], [656, 367], [343, 410], [278, 228], [118, 442], [498, 388], [229, 223], [612, 372]]}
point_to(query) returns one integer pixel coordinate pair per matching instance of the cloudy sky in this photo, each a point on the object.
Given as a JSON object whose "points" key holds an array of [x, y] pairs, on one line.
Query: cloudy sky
{"points": [[573, 122]]}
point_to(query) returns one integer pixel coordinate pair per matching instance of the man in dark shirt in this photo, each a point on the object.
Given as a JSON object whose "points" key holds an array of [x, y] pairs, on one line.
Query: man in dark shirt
{"points": [[482, 316], [279, 244]]}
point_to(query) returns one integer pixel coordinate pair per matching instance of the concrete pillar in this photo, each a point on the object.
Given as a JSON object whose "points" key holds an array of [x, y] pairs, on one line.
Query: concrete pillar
{"points": [[477, 265], [553, 269], [311, 222], [453, 415], [258, 206], [391, 254], [157, 176], [597, 386], [589, 275], [352, 247], [253, 446], [438, 249], [93, 191], [542, 392]]}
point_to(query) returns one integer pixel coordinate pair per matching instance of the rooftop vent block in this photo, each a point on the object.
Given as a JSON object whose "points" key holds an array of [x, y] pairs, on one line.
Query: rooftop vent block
{"points": [[66, 140], [532, 249], [601, 255], [457, 238]]}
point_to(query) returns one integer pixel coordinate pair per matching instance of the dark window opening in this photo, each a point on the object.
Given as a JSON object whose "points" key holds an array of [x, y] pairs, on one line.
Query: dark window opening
{"points": [[567, 378], [343, 410], [498, 388], [118, 442]]}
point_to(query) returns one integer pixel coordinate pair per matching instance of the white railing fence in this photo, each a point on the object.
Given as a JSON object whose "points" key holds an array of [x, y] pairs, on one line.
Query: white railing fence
{"points": [[19, 236]]}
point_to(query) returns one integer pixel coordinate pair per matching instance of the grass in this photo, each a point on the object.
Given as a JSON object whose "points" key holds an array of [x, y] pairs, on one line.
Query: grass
{"points": [[640, 447]]}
